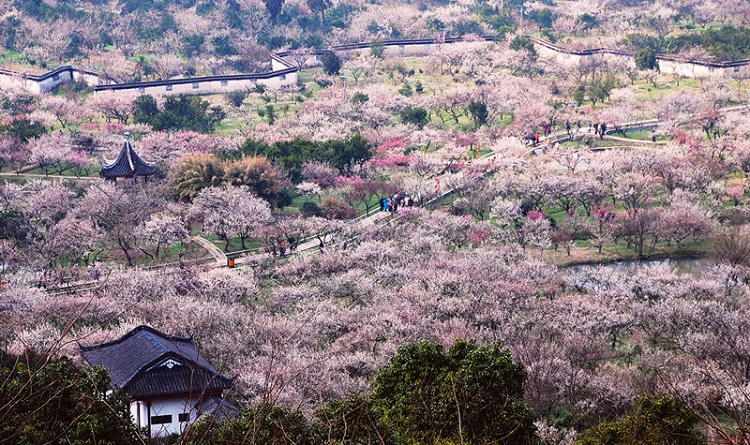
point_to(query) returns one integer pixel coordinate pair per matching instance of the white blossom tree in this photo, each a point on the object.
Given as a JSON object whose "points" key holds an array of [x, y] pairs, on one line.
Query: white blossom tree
{"points": [[231, 211]]}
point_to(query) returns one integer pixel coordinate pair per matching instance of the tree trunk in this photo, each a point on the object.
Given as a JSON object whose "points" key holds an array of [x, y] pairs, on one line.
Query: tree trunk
{"points": [[125, 249]]}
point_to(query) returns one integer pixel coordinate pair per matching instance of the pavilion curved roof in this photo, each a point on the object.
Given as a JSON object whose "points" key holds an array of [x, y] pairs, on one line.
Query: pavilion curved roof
{"points": [[128, 164]]}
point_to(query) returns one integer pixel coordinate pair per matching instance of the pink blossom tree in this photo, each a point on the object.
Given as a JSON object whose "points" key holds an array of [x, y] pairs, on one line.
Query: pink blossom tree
{"points": [[50, 152], [164, 229], [230, 211], [119, 210], [79, 162], [75, 239], [117, 106]]}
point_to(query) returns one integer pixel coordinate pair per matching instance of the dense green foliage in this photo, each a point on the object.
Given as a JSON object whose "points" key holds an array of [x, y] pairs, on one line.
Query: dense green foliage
{"points": [[346, 421], [309, 208], [523, 43], [588, 21], [658, 420], [262, 424], [352, 420], [414, 115], [542, 17], [478, 112], [256, 173], [181, 112], [600, 88], [331, 63], [194, 173], [645, 59], [53, 402], [274, 8], [344, 154], [724, 43], [468, 394], [23, 129], [319, 7]]}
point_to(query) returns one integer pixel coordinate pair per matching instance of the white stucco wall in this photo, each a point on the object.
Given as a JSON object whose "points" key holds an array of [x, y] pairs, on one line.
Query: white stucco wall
{"points": [[13, 80], [278, 64], [564, 59], [218, 86], [173, 407], [52, 82], [695, 70], [88, 78], [9, 79]]}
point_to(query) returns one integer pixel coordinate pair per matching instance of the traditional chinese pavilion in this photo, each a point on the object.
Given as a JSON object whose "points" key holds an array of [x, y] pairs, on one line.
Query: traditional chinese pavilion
{"points": [[128, 164], [170, 383]]}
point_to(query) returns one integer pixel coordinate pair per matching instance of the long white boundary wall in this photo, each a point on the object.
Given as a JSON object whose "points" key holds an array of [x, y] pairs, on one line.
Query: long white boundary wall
{"points": [[285, 72], [739, 69]]}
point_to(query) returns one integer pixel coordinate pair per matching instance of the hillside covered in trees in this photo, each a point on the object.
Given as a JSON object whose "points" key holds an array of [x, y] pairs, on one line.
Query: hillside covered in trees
{"points": [[142, 40]]}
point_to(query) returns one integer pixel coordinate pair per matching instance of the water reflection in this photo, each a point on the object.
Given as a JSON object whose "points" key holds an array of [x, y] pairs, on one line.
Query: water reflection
{"points": [[602, 277]]}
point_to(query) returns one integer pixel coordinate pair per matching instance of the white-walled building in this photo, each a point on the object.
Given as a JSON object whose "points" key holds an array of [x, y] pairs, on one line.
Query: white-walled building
{"points": [[170, 383]]}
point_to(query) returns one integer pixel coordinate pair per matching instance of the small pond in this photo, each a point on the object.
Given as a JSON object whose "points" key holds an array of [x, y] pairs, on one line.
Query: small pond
{"points": [[596, 276]]}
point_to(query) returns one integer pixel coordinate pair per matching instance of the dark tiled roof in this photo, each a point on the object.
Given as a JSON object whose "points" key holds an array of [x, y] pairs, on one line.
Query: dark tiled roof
{"points": [[134, 362], [162, 381], [217, 406], [127, 164]]}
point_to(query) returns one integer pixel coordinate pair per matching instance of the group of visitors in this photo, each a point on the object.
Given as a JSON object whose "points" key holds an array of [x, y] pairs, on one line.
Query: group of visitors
{"points": [[281, 246], [533, 138], [569, 128], [59, 276], [393, 203], [600, 129]]}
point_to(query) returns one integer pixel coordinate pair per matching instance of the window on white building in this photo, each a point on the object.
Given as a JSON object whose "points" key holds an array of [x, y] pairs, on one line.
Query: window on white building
{"points": [[160, 420]]}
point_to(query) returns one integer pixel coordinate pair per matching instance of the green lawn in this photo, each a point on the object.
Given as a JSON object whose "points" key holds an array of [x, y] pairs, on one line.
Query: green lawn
{"points": [[92, 173], [234, 243]]}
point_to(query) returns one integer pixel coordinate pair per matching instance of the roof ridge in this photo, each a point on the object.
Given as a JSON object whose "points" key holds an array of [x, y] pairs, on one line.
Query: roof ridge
{"points": [[129, 148], [191, 364], [134, 331]]}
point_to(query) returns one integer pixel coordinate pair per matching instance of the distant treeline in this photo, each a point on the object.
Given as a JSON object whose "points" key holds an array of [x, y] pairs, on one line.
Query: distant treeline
{"points": [[726, 43]]}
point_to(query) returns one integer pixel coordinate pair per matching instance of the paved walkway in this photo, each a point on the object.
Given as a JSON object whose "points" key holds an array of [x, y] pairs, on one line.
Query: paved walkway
{"points": [[213, 249]]}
